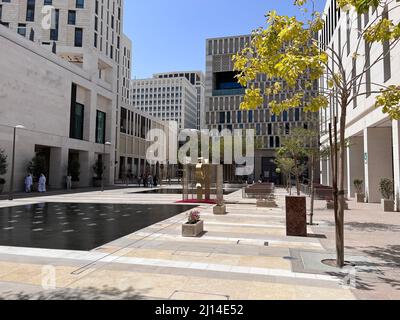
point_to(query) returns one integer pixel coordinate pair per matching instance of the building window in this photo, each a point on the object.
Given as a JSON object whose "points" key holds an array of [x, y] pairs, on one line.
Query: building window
{"points": [[77, 117], [54, 32], [30, 10], [71, 17], [78, 37], [22, 29], [100, 127], [80, 4]]}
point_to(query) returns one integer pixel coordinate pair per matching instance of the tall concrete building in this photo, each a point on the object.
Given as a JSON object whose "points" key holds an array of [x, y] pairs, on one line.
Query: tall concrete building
{"points": [[169, 99], [69, 87], [222, 105], [86, 33], [66, 113], [196, 78], [374, 140]]}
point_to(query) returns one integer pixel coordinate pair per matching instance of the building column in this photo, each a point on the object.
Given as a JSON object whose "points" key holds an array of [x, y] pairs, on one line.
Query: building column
{"points": [[355, 163], [58, 167], [378, 157], [396, 161], [86, 160]]}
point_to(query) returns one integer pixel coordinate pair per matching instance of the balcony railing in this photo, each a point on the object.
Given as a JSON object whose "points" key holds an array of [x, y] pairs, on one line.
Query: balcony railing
{"points": [[229, 92]]}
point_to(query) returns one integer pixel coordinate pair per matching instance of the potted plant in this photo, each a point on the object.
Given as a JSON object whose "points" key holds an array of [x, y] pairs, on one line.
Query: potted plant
{"points": [[386, 189], [358, 185], [3, 168], [194, 225], [74, 170], [98, 169], [36, 167]]}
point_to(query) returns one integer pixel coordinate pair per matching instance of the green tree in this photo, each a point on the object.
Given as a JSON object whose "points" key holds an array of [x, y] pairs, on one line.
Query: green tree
{"points": [[286, 166], [37, 166], [287, 49], [294, 147]]}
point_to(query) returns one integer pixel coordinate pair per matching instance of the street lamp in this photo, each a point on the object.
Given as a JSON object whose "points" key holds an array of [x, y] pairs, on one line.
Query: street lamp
{"points": [[11, 191], [104, 166]]}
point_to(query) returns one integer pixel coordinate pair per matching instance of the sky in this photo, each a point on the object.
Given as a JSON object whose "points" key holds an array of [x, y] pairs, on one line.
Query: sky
{"points": [[170, 35]]}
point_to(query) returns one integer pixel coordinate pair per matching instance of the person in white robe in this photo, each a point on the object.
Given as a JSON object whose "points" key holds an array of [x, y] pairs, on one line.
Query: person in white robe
{"points": [[28, 183], [42, 183]]}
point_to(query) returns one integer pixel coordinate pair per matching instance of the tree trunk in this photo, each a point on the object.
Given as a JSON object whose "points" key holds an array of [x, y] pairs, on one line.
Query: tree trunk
{"points": [[341, 193], [312, 189], [338, 233], [298, 184]]}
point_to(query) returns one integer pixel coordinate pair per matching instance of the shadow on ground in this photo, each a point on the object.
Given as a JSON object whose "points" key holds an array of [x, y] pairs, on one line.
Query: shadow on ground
{"points": [[89, 293], [367, 227], [384, 268]]}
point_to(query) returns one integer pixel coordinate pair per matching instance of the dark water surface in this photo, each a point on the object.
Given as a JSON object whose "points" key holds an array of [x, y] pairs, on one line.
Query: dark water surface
{"points": [[78, 226]]}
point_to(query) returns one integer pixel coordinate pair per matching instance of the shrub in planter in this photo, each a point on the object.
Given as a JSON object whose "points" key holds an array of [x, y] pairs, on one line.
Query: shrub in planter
{"points": [[386, 188], [3, 168], [194, 225], [358, 185]]}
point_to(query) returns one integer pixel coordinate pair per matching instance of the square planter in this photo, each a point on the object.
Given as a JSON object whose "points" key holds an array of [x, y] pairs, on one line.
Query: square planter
{"points": [[296, 216], [266, 204], [192, 230], [360, 197], [219, 210], [387, 205]]}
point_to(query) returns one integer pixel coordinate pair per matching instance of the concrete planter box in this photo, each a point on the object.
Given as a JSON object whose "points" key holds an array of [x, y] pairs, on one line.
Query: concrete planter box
{"points": [[330, 206], [360, 197], [266, 204], [219, 210], [296, 216], [192, 230], [1, 188], [387, 205]]}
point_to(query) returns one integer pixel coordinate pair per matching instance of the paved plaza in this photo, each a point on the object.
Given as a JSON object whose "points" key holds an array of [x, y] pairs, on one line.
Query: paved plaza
{"points": [[243, 255]]}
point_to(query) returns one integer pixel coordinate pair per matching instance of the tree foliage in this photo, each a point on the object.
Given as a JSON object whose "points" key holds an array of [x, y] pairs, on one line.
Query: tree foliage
{"points": [[287, 49]]}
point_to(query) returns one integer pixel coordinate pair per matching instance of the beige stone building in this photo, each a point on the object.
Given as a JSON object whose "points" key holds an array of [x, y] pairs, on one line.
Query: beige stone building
{"points": [[169, 99], [66, 114], [374, 140], [68, 85], [196, 78]]}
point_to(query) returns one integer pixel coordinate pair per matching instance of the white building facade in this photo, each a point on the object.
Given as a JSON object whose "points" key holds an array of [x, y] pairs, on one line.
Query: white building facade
{"points": [[196, 78], [373, 150], [169, 99], [66, 114]]}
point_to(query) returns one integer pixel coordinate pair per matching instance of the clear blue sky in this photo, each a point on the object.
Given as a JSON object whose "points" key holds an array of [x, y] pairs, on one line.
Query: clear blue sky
{"points": [[169, 35]]}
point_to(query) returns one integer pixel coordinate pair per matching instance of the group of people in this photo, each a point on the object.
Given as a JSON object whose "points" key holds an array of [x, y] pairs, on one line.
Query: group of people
{"points": [[148, 181], [29, 183]]}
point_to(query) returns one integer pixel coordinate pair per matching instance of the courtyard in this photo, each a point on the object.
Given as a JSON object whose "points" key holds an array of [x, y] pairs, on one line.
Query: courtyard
{"points": [[242, 255]]}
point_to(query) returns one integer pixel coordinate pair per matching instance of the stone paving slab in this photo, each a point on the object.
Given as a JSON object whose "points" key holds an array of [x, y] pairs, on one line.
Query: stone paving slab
{"points": [[231, 260]]}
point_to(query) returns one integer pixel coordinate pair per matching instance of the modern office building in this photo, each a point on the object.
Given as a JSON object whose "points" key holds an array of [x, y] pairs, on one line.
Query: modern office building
{"points": [[222, 105], [69, 87], [87, 33], [169, 99], [133, 145], [196, 78], [374, 140], [66, 113]]}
